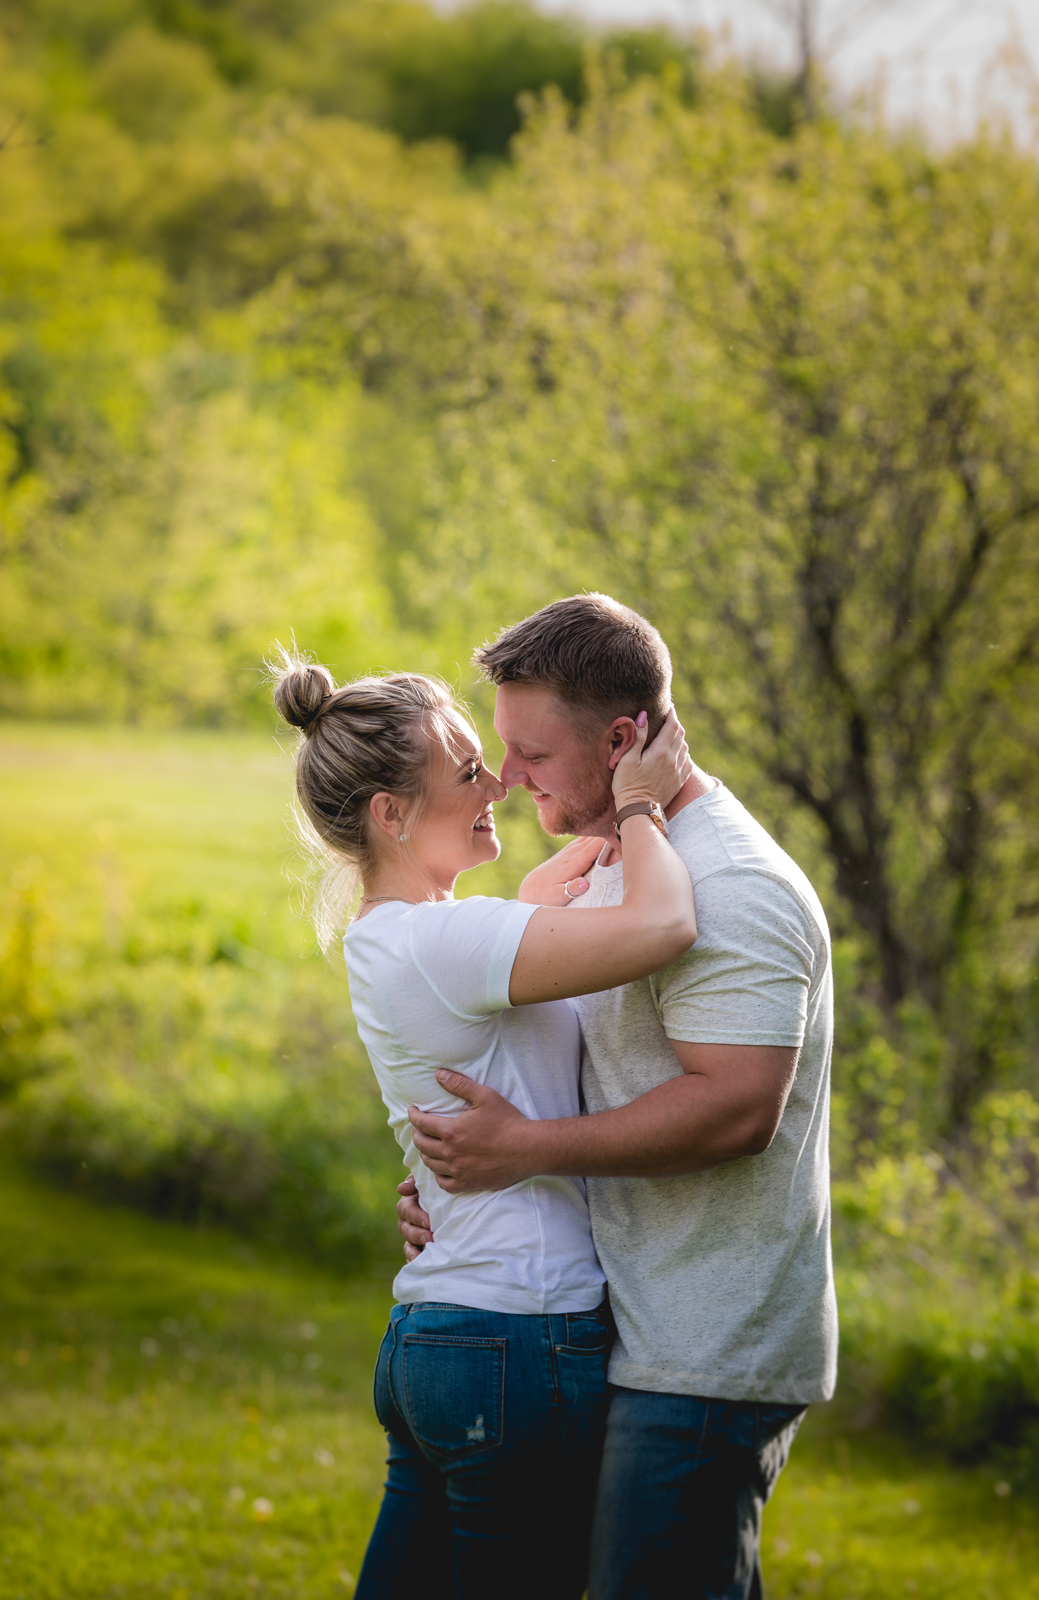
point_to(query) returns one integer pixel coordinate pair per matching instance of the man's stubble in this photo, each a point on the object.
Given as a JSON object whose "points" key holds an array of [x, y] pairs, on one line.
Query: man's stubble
{"points": [[591, 810]]}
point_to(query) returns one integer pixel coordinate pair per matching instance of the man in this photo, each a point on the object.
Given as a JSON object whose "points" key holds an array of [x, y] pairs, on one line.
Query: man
{"points": [[705, 1146]]}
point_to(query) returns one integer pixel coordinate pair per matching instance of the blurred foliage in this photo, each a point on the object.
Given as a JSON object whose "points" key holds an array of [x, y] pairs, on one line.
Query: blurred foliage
{"points": [[201, 1095], [293, 339], [420, 72], [940, 1288], [178, 1080], [169, 1035]]}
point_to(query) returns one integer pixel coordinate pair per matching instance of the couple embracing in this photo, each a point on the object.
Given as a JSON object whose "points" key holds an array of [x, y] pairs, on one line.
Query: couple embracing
{"points": [[612, 1095]]}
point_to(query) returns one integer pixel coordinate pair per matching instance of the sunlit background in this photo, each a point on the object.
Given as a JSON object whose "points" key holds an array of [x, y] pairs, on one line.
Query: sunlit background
{"points": [[377, 325]]}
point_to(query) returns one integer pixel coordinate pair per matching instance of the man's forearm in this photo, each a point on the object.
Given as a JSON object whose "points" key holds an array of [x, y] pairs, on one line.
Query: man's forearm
{"points": [[727, 1103], [684, 1125]]}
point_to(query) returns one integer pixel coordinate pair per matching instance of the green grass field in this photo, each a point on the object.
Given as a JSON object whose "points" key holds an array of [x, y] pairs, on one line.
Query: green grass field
{"points": [[187, 1414], [185, 1417]]}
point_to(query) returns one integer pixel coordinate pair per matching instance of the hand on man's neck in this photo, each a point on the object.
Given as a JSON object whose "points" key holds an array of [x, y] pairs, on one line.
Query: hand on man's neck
{"points": [[698, 784]]}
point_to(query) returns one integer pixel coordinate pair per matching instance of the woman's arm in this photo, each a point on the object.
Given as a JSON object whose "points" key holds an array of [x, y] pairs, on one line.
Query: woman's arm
{"points": [[567, 953]]}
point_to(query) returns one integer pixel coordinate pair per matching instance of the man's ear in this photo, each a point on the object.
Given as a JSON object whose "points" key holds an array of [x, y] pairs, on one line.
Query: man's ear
{"points": [[620, 737], [386, 814]]}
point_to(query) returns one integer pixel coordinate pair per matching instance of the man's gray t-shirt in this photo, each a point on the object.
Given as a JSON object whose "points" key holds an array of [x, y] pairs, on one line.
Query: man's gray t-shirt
{"points": [[721, 1281]]}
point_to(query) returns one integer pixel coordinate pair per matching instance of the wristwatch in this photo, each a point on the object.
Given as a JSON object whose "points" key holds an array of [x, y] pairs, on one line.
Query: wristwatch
{"points": [[642, 808]]}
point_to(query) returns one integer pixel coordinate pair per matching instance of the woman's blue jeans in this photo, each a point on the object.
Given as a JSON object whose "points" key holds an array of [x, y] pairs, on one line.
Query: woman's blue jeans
{"points": [[495, 1426]]}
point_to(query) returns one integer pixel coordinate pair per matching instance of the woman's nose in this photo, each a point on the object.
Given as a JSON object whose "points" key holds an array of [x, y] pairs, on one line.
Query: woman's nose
{"points": [[498, 789]]}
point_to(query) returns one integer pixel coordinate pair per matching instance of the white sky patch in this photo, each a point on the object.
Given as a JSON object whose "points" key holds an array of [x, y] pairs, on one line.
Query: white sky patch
{"points": [[943, 62]]}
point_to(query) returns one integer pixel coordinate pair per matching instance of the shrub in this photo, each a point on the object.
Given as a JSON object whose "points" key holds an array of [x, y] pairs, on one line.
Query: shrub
{"points": [[176, 1077], [972, 1390], [939, 1291]]}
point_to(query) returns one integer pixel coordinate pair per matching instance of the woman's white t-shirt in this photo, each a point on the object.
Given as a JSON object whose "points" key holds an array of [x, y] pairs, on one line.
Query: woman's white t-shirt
{"points": [[430, 989]]}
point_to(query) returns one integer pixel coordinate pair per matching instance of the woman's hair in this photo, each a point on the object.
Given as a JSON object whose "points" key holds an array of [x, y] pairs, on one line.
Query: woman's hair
{"points": [[374, 734]]}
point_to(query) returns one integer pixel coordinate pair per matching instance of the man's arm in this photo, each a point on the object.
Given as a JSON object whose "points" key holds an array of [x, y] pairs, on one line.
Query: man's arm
{"points": [[727, 1103]]}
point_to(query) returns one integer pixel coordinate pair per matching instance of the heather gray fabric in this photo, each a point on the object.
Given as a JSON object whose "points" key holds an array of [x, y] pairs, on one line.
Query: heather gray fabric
{"points": [[721, 1281]]}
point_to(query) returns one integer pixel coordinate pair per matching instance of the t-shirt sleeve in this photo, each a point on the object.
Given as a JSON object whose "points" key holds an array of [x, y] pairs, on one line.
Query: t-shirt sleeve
{"points": [[746, 979], [465, 950]]}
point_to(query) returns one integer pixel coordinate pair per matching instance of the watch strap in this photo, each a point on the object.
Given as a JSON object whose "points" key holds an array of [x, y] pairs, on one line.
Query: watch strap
{"points": [[641, 808]]}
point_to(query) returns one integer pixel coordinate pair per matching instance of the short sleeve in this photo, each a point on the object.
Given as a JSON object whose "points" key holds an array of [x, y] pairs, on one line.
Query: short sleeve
{"points": [[465, 950], [747, 978]]}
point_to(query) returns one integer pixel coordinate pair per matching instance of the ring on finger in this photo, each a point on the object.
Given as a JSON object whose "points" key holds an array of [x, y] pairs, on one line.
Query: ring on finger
{"points": [[566, 889]]}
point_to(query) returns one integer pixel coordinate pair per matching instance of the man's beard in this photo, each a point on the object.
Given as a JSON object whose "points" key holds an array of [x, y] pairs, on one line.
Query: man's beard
{"points": [[582, 814]]}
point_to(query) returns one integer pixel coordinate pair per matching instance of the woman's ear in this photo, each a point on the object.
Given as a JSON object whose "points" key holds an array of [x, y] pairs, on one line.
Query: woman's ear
{"points": [[386, 814], [620, 736]]}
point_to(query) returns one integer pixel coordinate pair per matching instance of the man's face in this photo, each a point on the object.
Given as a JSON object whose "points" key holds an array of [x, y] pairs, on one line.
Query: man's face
{"points": [[548, 752]]}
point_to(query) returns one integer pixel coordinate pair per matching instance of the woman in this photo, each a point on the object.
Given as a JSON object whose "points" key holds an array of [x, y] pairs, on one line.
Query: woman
{"points": [[491, 1380]]}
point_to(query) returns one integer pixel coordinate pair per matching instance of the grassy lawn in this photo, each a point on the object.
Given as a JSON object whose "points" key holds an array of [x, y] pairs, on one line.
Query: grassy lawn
{"points": [[185, 1415], [180, 1418]]}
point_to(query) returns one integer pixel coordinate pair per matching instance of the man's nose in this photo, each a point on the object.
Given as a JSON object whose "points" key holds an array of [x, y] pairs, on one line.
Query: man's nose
{"points": [[512, 772]]}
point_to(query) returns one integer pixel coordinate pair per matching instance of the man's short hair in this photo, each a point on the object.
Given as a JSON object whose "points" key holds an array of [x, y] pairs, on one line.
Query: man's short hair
{"points": [[601, 658]]}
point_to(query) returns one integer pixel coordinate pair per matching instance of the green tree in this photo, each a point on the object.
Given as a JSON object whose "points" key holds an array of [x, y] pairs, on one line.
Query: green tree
{"points": [[782, 396]]}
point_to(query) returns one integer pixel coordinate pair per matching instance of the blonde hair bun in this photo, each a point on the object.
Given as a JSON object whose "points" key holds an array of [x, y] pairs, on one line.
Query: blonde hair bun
{"points": [[300, 689]]}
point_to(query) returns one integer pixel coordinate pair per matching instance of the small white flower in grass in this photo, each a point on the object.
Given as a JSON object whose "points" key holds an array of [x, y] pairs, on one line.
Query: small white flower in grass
{"points": [[308, 1330], [813, 1558], [194, 1505], [978, 1351], [274, 1453], [910, 1507], [150, 1347], [236, 1494], [324, 1458], [312, 1361], [782, 1547], [263, 1510], [1002, 1489], [347, 1578]]}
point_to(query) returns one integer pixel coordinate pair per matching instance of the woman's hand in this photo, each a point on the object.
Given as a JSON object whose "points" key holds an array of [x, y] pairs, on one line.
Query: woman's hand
{"points": [[545, 885], [656, 771]]}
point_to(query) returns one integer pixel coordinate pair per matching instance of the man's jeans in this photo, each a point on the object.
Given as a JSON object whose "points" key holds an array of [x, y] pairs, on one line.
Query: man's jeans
{"points": [[495, 1427], [683, 1484]]}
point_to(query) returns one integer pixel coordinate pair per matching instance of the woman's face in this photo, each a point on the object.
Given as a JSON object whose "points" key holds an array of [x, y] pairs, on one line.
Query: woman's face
{"points": [[455, 828]]}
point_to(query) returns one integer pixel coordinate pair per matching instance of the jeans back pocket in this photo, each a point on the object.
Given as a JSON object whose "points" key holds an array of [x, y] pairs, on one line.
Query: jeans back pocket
{"points": [[454, 1387]]}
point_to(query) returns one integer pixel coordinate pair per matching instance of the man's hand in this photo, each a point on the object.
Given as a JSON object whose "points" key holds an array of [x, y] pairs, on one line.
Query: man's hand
{"points": [[482, 1148], [544, 886], [726, 1103], [412, 1220]]}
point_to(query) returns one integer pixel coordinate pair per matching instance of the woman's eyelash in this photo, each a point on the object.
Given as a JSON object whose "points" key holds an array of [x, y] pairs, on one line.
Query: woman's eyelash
{"points": [[474, 771]]}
